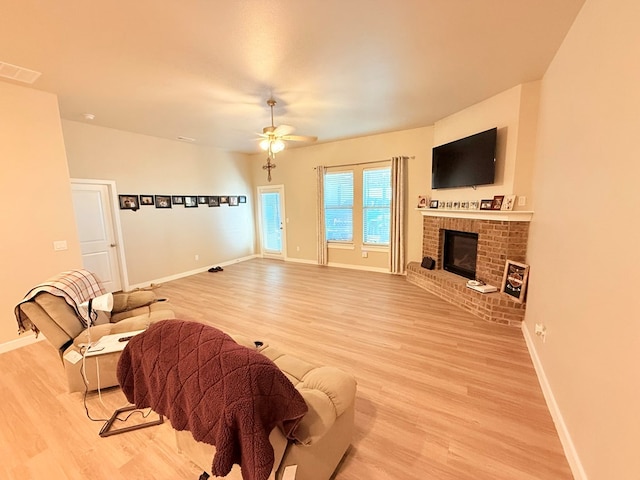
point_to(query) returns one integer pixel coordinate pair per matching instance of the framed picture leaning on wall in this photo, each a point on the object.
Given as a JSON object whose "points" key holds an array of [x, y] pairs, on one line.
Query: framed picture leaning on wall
{"points": [[486, 204], [514, 280]]}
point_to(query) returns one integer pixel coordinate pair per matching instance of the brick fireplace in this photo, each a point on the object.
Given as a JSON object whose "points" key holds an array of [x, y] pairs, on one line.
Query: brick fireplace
{"points": [[501, 236]]}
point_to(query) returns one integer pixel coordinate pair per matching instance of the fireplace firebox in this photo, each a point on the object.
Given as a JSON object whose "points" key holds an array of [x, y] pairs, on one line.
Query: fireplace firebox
{"points": [[460, 253]]}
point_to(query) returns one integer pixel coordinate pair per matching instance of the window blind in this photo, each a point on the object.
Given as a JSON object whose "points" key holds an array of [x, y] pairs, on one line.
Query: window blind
{"points": [[338, 206], [376, 206]]}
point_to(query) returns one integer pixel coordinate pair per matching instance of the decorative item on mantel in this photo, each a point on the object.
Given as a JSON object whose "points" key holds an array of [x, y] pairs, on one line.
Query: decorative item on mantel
{"points": [[422, 201], [508, 202]]}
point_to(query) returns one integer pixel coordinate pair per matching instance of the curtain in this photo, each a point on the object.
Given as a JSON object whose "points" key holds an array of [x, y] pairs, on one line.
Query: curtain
{"points": [[397, 241], [322, 236]]}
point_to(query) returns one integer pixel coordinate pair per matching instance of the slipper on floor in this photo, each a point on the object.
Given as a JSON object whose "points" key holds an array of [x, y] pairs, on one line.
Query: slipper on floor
{"points": [[219, 269], [213, 269]]}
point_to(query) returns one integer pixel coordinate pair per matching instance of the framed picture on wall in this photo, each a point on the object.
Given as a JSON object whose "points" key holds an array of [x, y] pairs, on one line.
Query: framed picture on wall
{"points": [[190, 201], [177, 200], [224, 199], [214, 201], [242, 199], [203, 199], [146, 199], [163, 201], [514, 280], [233, 201], [129, 202]]}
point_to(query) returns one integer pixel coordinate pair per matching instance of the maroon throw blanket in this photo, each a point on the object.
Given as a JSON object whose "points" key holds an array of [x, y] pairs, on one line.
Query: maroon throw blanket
{"points": [[225, 394]]}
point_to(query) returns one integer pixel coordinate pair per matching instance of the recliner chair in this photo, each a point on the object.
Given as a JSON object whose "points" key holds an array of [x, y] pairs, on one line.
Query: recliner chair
{"points": [[60, 324]]}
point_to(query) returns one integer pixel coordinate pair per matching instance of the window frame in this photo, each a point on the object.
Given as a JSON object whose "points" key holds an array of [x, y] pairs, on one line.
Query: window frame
{"points": [[340, 243], [369, 245]]}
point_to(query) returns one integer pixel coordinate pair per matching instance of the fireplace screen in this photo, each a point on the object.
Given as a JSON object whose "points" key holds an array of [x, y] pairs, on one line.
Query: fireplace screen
{"points": [[460, 253]]}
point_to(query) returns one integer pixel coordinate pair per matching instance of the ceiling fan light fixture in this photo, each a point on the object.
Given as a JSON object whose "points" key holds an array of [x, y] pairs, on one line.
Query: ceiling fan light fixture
{"points": [[264, 144], [277, 145]]}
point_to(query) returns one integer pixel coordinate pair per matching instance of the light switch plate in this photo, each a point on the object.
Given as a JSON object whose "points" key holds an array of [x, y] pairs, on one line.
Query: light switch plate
{"points": [[59, 245]]}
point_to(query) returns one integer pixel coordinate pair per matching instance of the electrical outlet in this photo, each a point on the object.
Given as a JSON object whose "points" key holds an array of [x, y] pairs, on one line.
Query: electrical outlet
{"points": [[365, 254], [522, 201], [541, 331], [197, 257], [298, 248]]}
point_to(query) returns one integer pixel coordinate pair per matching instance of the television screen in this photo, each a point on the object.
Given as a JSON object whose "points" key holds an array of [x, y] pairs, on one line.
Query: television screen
{"points": [[466, 162]]}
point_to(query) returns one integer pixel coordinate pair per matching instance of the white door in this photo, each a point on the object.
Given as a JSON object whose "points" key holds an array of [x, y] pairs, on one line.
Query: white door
{"points": [[96, 231], [272, 225]]}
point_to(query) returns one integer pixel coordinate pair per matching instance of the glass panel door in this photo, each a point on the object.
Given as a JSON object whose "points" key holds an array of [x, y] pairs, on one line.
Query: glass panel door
{"points": [[271, 221]]}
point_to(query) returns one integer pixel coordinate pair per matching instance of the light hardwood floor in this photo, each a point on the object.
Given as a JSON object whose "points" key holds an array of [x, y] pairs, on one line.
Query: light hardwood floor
{"points": [[441, 395]]}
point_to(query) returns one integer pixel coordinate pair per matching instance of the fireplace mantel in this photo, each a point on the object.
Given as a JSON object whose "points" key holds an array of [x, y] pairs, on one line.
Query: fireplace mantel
{"points": [[499, 215]]}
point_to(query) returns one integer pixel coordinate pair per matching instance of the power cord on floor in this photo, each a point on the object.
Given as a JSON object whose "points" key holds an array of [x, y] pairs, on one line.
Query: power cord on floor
{"points": [[86, 393]]}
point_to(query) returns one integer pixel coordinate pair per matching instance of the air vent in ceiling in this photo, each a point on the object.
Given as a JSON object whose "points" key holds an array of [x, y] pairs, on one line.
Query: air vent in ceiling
{"points": [[19, 74]]}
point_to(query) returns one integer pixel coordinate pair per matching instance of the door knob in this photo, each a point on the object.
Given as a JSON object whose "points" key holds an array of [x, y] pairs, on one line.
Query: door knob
{"points": [[113, 245]]}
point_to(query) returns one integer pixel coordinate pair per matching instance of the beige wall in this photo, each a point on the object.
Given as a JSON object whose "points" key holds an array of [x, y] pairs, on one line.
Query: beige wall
{"points": [[295, 170], [584, 246], [514, 113], [36, 209], [162, 243]]}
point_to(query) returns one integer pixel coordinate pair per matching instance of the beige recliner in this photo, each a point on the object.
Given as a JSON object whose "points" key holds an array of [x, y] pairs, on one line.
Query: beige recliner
{"points": [[324, 433], [58, 321]]}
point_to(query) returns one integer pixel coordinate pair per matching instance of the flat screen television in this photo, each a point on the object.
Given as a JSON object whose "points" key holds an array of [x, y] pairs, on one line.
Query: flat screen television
{"points": [[467, 162]]}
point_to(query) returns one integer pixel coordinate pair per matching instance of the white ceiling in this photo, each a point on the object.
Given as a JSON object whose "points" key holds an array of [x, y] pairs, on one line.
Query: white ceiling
{"points": [[338, 68]]}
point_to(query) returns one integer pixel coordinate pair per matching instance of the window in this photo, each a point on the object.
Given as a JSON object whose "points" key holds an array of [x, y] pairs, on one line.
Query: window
{"points": [[376, 206], [338, 206]]}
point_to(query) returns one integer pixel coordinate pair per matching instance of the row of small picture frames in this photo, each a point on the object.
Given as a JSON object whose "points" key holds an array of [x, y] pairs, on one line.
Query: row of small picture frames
{"points": [[498, 202], [134, 202]]}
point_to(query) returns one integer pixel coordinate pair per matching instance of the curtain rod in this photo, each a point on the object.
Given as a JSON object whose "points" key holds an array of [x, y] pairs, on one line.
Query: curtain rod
{"points": [[361, 163]]}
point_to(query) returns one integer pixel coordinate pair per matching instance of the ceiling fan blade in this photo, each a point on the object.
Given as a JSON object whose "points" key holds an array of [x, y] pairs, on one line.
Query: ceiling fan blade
{"points": [[282, 130], [299, 138]]}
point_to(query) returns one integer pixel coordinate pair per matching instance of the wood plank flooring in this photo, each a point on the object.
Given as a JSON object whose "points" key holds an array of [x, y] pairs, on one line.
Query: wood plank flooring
{"points": [[441, 395]]}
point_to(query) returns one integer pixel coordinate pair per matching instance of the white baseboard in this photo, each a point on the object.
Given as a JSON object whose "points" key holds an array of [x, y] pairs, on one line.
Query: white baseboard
{"points": [[20, 342], [563, 432], [338, 265], [189, 273], [359, 267], [301, 260]]}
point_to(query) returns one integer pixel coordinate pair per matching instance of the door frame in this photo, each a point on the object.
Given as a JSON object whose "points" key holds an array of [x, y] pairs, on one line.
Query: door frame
{"points": [[117, 227], [283, 220]]}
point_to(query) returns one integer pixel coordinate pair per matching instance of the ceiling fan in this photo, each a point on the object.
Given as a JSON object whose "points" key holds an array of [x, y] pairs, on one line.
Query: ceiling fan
{"points": [[274, 137]]}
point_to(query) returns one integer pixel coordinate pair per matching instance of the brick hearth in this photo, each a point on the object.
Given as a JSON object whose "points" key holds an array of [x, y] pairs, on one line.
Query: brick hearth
{"points": [[498, 241]]}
